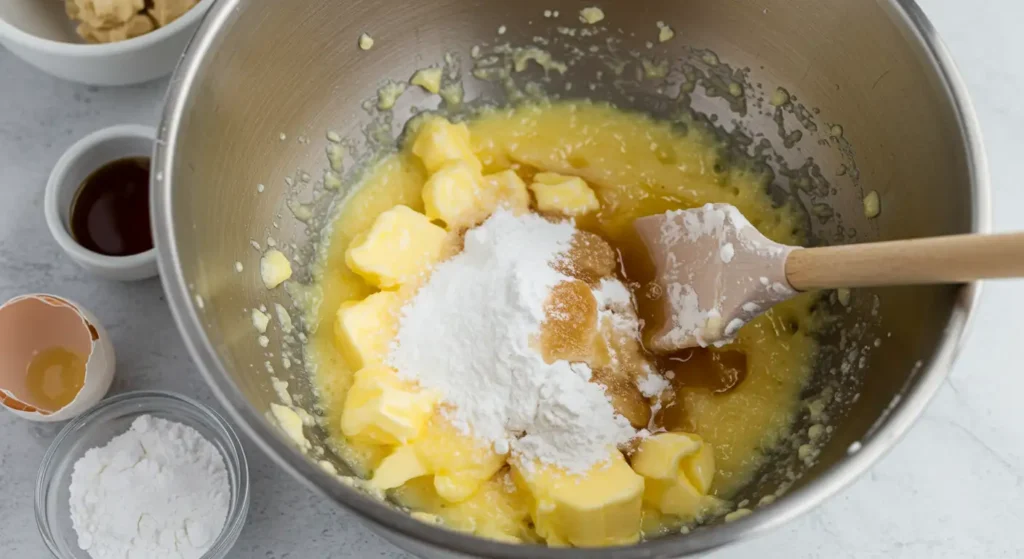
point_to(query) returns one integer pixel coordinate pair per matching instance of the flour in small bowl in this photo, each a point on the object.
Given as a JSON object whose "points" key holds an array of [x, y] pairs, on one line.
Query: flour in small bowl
{"points": [[159, 490], [467, 334]]}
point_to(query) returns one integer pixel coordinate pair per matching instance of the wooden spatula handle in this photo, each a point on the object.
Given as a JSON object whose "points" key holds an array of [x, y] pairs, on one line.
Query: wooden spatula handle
{"points": [[952, 259]]}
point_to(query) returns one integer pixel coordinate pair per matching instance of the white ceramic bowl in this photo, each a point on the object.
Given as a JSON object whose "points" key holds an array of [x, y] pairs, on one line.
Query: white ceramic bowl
{"points": [[40, 33], [77, 163]]}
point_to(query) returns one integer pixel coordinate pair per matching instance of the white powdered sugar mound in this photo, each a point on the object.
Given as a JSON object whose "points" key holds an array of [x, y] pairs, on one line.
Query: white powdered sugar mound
{"points": [[467, 333], [159, 490]]}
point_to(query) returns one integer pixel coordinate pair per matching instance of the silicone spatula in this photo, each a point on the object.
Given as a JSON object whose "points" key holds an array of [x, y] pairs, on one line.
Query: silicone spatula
{"points": [[717, 271]]}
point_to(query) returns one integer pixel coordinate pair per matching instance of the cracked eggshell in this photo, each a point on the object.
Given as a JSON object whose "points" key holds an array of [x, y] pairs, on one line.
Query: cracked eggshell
{"points": [[36, 322]]}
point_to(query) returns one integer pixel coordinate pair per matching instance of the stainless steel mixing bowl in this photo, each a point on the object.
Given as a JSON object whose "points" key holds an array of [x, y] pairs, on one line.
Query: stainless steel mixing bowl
{"points": [[258, 69]]}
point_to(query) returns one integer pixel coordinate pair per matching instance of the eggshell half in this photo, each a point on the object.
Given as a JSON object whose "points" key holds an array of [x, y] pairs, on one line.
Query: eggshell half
{"points": [[35, 322]]}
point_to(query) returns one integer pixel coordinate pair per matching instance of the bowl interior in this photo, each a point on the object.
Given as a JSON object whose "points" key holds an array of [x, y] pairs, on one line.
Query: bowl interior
{"points": [[44, 19], [844, 97], [114, 417]]}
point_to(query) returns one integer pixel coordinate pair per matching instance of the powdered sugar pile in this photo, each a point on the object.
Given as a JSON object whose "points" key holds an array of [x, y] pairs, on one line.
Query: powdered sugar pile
{"points": [[159, 490], [615, 303], [467, 333]]}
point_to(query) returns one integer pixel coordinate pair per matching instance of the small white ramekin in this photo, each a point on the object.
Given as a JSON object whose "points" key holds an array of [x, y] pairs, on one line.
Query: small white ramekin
{"points": [[40, 33], [80, 160]]}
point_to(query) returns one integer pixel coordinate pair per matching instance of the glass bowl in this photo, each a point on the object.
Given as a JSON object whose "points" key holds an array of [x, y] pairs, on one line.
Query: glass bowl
{"points": [[111, 418]]}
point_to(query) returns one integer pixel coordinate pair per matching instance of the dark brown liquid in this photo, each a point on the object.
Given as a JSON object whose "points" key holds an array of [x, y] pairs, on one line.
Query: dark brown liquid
{"points": [[710, 369], [717, 370], [110, 214], [640, 274]]}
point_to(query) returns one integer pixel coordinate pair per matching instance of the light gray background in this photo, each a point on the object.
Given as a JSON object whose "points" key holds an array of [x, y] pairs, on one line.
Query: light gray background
{"points": [[952, 487]]}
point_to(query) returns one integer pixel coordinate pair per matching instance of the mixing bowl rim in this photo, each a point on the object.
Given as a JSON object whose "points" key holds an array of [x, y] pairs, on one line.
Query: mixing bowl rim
{"points": [[888, 429]]}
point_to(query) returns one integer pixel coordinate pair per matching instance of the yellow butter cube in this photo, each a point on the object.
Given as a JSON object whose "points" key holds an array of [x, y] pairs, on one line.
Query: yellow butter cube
{"points": [[460, 463], [399, 246], [274, 268], [382, 408], [510, 190], [659, 456], [563, 194], [290, 423], [399, 467], [499, 509], [700, 468], [428, 78], [674, 497], [426, 517], [458, 195], [678, 469], [599, 508], [364, 329], [591, 15], [439, 142]]}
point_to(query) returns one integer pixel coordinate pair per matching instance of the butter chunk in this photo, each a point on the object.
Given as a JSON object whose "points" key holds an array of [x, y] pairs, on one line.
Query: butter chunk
{"points": [[291, 423], [399, 246], [275, 268], [399, 467], [498, 510], [428, 78], [364, 329], [365, 41], [381, 408], [510, 190], [563, 194], [591, 15], [678, 469], [872, 205], [260, 321], [457, 195], [426, 517], [599, 508], [460, 463], [439, 142], [389, 93]]}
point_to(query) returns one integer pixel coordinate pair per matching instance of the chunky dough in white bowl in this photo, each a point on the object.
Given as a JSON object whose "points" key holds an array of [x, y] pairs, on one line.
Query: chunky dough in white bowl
{"points": [[40, 33]]}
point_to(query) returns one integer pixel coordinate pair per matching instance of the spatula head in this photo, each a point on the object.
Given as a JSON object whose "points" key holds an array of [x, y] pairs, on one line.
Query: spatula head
{"points": [[716, 273]]}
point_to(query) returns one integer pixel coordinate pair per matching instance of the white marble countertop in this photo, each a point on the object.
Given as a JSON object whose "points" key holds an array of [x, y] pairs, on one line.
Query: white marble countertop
{"points": [[952, 488]]}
